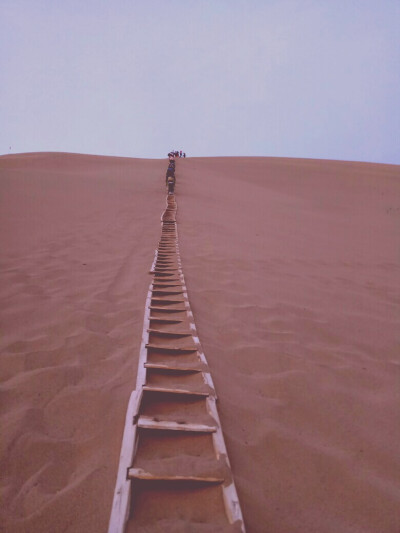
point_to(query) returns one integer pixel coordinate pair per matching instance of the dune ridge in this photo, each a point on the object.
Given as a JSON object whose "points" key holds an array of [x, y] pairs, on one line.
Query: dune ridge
{"points": [[292, 268]]}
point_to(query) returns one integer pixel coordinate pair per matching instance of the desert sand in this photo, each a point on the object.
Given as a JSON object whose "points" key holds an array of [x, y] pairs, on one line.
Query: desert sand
{"points": [[293, 273]]}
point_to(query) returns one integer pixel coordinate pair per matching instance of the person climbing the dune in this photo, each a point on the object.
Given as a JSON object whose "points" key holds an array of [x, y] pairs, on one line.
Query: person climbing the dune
{"points": [[170, 173], [171, 184]]}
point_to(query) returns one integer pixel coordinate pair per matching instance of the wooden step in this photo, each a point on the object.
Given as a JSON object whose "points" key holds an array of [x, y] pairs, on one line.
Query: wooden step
{"points": [[165, 275], [174, 334], [173, 349], [182, 468], [166, 270], [168, 301], [158, 285], [165, 320], [167, 309], [159, 299], [138, 473], [147, 422], [160, 292], [176, 366], [170, 390]]}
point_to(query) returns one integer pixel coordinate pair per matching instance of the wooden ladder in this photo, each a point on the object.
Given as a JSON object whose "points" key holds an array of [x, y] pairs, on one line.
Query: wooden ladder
{"points": [[174, 472]]}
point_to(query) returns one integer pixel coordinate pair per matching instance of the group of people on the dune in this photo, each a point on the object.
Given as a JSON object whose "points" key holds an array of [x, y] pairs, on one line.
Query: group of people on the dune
{"points": [[170, 176], [177, 153]]}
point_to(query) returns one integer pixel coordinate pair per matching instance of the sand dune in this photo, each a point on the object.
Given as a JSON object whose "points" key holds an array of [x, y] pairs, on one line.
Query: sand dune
{"points": [[293, 272]]}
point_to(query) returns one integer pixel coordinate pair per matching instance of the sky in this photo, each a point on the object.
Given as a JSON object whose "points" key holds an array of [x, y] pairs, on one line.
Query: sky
{"points": [[137, 78]]}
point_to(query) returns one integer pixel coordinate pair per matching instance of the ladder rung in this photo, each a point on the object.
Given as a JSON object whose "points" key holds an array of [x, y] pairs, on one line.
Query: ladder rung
{"points": [[138, 473], [146, 422], [176, 391]]}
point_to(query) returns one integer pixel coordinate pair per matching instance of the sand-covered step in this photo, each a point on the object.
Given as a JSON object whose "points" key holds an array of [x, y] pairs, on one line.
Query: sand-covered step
{"points": [[166, 267], [166, 263], [165, 309], [159, 284], [188, 359], [171, 348], [176, 407], [176, 390], [184, 454], [166, 275], [157, 423], [159, 320], [177, 365], [164, 297], [177, 381], [166, 255], [181, 508], [159, 313], [166, 291], [166, 300], [180, 328], [176, 343], [165, 286]]}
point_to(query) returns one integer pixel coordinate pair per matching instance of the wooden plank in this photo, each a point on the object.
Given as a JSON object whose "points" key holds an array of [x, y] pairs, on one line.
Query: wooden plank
{"points": [[175, 391], [138, 473], [174, 349], [165, 320], [167, 300], [122, 492], [159, 284], [172, 366], [168, 275], [232, 506], [146, 422], [174, 334], [167, 309], [167, 292]]}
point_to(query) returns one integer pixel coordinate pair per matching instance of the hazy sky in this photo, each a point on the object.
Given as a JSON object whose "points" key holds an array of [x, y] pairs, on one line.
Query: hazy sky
{"points": [[136, 78]]}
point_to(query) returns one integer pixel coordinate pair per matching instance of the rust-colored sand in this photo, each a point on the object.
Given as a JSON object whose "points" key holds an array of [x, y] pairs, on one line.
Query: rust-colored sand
{"points": [[293, 270]]}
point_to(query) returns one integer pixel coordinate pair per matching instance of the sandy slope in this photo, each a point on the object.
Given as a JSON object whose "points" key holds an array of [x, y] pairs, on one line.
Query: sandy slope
{"points": [[293, 273], [78, 235]]}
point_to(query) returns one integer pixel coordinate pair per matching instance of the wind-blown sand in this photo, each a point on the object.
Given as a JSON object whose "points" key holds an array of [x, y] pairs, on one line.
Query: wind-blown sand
{"points": [[293, 272]]}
